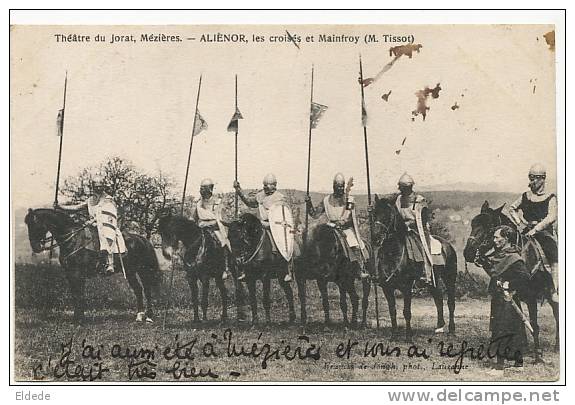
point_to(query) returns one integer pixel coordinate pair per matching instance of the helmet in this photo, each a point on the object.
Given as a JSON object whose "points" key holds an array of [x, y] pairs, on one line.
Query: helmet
{"points": [[207, 182], [339, 179], [405, 180], [270, 179], [537, 170]]}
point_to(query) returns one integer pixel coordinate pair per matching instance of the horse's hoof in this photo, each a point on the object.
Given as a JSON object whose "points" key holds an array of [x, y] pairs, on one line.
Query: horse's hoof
{"points": [[439, 330], [140, 317]]}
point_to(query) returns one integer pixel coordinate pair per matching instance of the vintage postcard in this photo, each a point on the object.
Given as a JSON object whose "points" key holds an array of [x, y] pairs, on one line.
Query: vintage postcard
{"points": [[285, 203]]}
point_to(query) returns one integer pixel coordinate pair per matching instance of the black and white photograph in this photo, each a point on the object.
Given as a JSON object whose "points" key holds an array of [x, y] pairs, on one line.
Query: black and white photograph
{"points": [[290, 203]]}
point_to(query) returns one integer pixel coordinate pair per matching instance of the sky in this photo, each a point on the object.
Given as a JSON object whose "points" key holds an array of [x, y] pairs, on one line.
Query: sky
{"points": [[137, 101]]}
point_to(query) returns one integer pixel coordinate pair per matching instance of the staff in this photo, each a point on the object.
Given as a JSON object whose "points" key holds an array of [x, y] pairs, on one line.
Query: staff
{"points": [[308, 161], [61, 135], [191, 145], [364, 124], [60, 122], [183, 199]]}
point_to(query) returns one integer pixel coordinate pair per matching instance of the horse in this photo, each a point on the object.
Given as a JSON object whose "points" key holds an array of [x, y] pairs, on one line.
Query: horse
{"points": [[79, 262], [203, 259], [253, 252], [325, 261], [540, 285], [396, 271]]}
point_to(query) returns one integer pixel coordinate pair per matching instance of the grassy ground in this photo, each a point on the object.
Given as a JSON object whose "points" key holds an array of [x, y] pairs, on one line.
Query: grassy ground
{"points": [[38, 343]]}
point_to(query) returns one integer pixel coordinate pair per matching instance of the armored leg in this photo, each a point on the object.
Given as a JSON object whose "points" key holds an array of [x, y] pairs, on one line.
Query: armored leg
{"points": [[110, 265]]}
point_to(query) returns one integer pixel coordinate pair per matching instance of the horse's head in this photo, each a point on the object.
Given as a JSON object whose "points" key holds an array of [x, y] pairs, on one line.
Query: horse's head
{"points": [[174, 229], [37, 230], [387, 222], [243, 231], [482, 227]]}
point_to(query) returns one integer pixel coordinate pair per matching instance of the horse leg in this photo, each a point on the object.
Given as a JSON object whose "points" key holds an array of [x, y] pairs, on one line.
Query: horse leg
{"points": [[407, 313], [137, 288], [532, 308], [322, 286], [148, 285], [224, 294], [253, 300], [301, 290], [390, 298], [365, 302], [343, 302], [354, 298], [266, 286], [289, 295], [438, 299], [240, 300], [193, 283], [555, 308], [76, 280], [205, 293]]}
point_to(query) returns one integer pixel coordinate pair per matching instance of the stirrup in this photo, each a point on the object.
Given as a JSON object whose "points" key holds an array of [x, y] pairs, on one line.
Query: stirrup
{"points": [[109, 270], [288, 278]]}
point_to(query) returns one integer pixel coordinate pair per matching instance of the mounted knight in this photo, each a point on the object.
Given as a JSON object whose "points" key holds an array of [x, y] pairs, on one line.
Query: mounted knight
{"points": [[208, 217], [104, 231], [339, 208], [414, 210], [536, 211], [279, 231]]}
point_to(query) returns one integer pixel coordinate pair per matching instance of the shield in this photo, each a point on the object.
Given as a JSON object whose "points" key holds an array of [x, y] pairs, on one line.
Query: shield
{"points": [[282, 229]]}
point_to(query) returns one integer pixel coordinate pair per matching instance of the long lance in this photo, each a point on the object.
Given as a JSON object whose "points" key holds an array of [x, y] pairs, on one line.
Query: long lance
{"points": [[236, 152], [308, 163], [191, 146], [183, 203], [372, 258], [61, 133]]}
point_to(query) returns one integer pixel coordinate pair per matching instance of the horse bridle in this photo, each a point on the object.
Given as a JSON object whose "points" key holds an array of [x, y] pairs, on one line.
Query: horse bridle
{"points": [[48, 244], [387, 230], [483, 243]]}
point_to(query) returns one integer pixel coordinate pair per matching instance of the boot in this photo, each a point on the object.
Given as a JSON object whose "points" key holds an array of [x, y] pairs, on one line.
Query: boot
{"points": [[289, 276], [555, 277], [110, 266]]}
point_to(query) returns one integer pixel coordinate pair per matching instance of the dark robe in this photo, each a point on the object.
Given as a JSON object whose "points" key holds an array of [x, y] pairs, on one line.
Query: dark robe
{"points": [[507, 327]]}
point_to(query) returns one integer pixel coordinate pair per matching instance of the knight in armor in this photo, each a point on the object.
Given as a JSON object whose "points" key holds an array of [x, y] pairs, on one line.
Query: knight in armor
{"points": [[263, 201], [208, 217], [339, 208], [414, 210], [103, 213], [536, 210]]}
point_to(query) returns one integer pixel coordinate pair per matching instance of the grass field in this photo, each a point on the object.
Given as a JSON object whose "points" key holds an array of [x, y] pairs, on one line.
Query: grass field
{"points": [[112, 329]]}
